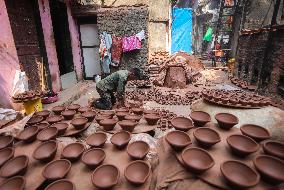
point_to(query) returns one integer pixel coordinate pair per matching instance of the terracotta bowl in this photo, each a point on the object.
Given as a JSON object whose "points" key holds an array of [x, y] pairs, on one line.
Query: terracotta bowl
{"points": [[226, 120], [197, 160], [137, 111], [150, 112], [121, 115], [274, 148], [239, 175], [79, 122], [47, 134], [14, 183], [255, 132], [105, 176], [152, 119], [133, 117], [42, 125], [120, 139], [28, 135], [123, 109], [73, 151], [108, 124], [56, 169], [178, 140], [137, 172], [109, 113], [270, 168], [73, 107], [61, 127], [127, 125], [206, 137], [99, 117], [43, 113], [93, 157], [34, 120], [46, 151], [242, 145], [58, 109], [90, 115], [6, 154], [182, 123], [16, 166], [62, 184], [138, 150], [200, 118], [68, 114], [54, 119], [84, 109], [97, 140], [6, 141]]}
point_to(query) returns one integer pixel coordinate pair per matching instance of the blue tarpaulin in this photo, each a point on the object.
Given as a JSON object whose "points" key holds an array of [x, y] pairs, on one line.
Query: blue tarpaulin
{"points": [[182, 30]]}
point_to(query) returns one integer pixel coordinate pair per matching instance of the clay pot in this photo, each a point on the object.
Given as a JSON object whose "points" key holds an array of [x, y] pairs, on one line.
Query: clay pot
{"points": [[6, 154], [28, 135], [226, 120], [62, 184], [206, 137], [47, 134], [123, 109], [54, 119], [197, 160], [44, 113], [14, 183], [93, 157], [138, 150], [274, 148], [137, 111], [68, 114], [56, 169], [73, 151], [34, 120], [182, 123], [270, 168], [238, 175], [108, 124], [61, 127], [127, 125], [16, 166], [46, 151], [79, 122], [90, 115], [58, 109], [98, 118], [74, 107], [6, 141], [150, 112], [120, 139], [97, 139], [242, 145], [109, 113], [137, 172], [42, 125], [121, 115], [133, 117], [178, 140], [200, 118], [84, 109], [255, 132], [105, 176], [152, 119]]}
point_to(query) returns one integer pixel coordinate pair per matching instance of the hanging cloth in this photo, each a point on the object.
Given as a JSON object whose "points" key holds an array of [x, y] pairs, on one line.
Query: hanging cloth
{"points": [[131, 43], [105, 51], [116, 50], [208, 35]]}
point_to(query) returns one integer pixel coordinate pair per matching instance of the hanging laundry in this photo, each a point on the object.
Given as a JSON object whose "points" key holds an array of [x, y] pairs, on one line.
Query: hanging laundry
{"points": [[141, 35], [105, 51], [131, 43], [116, 50]]}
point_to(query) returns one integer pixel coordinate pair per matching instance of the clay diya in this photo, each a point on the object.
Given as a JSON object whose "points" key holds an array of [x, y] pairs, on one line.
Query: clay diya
{"points": [[178, 140], [14, 183], [6, 154], [137, 111], [197, 160], [47, 134], [42, 125], [74, 107], [56, 169], [182, 123], [34, 120], [239, 175], [105, 176], [150, 112], [137, 172], [127, 125], [138, 150], [226, 120], [61, 127], [44, 113], [84, 109], [73, 151], [255, 132], [16, 166], [90, 115], [242, 145], [6, 141], [28, 135], [133, 117], [123, 109], [46, 151], [58, 109], [54, 119], [79, 122], [121, 115], [206, 137], [93, 157], [274, 148], [200, 118], [120, 139], [152, 119], [108, 124], [62, 184], [270, 168], [98, 118], [68, 114], [97, 140], [109, 113]]}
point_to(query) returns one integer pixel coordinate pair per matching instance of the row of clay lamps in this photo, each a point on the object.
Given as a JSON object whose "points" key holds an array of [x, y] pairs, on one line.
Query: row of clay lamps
{"points": [[270, 166], [242, 84]]}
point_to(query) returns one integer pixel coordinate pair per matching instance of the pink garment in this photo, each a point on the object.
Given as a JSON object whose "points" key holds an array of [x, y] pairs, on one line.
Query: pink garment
{"points": [[131, 43]]}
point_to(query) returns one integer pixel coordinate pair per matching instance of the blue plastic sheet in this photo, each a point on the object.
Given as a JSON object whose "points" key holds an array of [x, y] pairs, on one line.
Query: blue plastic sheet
{"points": [[182, 30]]}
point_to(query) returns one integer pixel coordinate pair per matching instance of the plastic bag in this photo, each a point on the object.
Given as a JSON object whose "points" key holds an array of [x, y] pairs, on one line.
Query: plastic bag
{"points": [[20, 84]]}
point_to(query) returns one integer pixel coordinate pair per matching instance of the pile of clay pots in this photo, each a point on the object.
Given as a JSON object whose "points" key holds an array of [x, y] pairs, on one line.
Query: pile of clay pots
{"points": [[26, 96], [242, 84], [139, 83]]}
